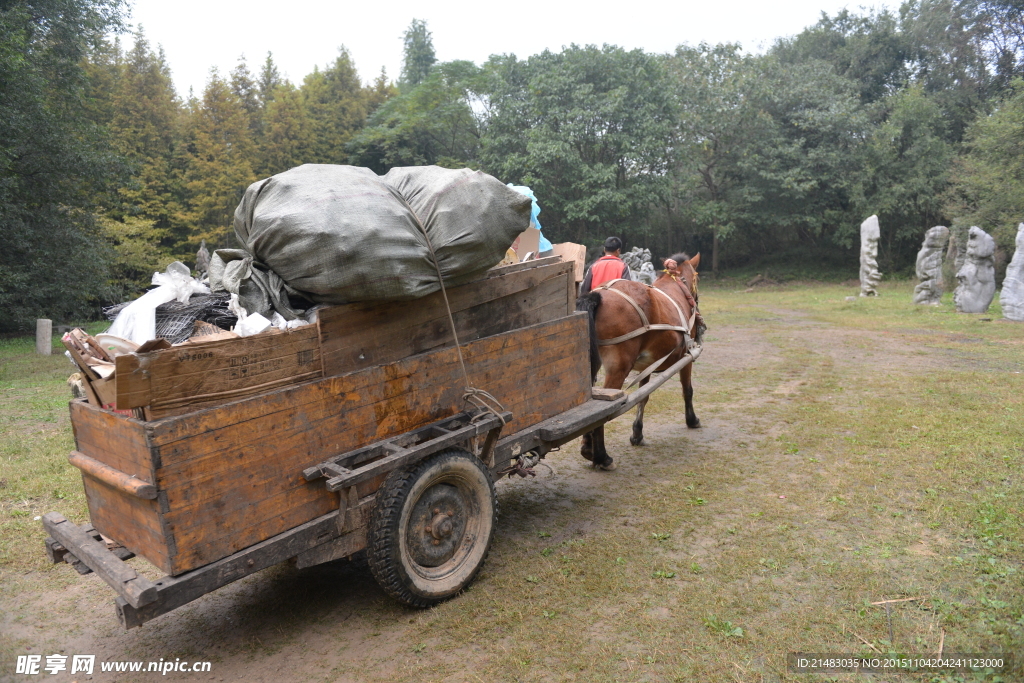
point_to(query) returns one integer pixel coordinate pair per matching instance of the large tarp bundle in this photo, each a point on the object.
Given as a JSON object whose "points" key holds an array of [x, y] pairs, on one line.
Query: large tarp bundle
{"points": [[340, 234]]}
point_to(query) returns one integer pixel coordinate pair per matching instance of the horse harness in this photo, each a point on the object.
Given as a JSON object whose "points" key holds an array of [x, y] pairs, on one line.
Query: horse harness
{"points": [[647, 326]]}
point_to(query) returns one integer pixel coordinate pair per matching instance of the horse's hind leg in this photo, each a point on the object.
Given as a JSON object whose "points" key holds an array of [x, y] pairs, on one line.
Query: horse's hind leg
{"points": [[601, 458], [686, 377], [637, 439]]}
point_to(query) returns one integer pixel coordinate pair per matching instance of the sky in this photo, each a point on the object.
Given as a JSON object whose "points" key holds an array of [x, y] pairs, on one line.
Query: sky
{"points": [[197, 35]]}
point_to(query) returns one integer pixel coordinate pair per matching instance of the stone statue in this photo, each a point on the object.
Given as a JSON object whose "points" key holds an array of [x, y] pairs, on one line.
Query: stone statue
{"points": [[1012, 296], [977, 277], [869, 275], [647, 274], [929, 266]]}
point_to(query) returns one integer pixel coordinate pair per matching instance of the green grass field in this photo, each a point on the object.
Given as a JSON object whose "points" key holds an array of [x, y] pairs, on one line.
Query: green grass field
{"points": [[852, 452]]}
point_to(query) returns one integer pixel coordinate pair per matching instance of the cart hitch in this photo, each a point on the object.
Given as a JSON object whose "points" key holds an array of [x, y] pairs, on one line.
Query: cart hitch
{"points": [[522, 465]]}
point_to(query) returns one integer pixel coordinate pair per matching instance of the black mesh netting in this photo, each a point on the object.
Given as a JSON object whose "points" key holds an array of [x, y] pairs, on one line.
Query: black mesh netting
{"points": [[175, 321]]}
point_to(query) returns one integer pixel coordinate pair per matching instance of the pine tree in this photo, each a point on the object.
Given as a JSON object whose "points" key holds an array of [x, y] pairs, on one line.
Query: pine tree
{"points": [[145, 125], [247, 90], [337, 105], [287, 139], [419, 54], [270, 79], [220, 163]]}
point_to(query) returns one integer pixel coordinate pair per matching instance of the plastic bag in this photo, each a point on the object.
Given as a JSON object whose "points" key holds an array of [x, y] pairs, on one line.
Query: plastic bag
{"points": [[337, 234], [544, 243], [137, 321]]}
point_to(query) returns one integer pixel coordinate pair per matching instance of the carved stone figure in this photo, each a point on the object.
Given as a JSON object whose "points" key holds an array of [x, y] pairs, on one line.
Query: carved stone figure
{"points": [[929, 266], [1012, 296], [647, 274], [869, 274], [977, 277]]}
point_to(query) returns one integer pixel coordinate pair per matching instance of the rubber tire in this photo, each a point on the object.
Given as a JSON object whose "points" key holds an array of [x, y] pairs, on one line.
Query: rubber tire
{"points": [[388, 552]]}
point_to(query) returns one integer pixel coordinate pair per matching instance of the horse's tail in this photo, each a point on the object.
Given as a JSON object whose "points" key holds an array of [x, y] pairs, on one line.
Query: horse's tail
{"points": [[589, 303]]}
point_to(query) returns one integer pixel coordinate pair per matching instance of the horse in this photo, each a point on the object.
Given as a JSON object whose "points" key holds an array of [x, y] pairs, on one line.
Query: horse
{"points": [[634, 326]]}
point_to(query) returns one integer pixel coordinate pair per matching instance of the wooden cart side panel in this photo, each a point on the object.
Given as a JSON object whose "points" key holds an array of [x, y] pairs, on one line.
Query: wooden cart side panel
{"points": [[357, 336], [537, 372], [112, 439], [133, 522], [358, 409], [200, 484]]}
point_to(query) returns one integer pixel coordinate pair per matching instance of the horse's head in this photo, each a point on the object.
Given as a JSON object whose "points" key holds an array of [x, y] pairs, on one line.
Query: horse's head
{"points": [[682, 267]]}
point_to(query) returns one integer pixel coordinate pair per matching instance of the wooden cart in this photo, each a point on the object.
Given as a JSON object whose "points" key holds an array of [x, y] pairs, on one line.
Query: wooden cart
{"points": [[313, 445]]}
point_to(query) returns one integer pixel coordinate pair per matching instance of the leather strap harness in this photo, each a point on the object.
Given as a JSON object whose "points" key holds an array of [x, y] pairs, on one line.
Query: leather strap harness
{"points": [[646, 325]]}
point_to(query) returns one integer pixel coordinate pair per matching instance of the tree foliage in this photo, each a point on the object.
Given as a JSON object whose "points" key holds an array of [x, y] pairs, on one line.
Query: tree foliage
{"points": [[55, 165], [915, 115], [432, 123], [588, 129], [418, 55]]}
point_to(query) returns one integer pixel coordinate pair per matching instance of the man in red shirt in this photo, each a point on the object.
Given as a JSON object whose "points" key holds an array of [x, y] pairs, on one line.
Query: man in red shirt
{"points": [[608, 267]]}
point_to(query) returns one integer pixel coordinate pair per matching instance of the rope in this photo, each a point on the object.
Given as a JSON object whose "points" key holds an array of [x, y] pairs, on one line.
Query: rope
{"points": [[478, 397]]}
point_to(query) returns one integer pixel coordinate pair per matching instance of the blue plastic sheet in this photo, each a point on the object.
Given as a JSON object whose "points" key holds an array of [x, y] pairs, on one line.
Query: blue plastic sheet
{"points": [[545, 244]]}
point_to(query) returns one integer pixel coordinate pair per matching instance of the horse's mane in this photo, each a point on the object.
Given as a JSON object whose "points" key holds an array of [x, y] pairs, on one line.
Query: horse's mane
{"points": [[679, 257]]}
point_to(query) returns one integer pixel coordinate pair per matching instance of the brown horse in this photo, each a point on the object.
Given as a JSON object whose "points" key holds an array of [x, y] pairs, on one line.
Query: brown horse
{"points": [[634, 326]]}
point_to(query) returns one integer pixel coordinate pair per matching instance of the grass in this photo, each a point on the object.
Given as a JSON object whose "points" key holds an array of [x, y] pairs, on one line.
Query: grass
{"points": [[852, 452]]}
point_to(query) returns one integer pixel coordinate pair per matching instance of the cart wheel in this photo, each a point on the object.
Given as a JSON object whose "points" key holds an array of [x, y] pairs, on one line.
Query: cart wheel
{"points": [[431, 528]]}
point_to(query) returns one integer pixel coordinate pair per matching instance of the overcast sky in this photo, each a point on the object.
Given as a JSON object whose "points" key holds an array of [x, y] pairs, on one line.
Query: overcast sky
{"points": [[197, 35]]}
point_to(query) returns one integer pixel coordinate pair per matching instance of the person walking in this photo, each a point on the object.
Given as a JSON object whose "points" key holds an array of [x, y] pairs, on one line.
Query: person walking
{"points": [[608, 267]]}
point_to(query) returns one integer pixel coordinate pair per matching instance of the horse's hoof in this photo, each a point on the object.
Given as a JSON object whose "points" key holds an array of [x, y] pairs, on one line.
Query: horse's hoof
{"points": [[636, 440], [693, 425], [607, 466]]}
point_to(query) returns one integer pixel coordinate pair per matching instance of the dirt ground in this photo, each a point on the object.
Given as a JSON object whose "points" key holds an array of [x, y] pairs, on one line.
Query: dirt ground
{"points": [[645, 573]]}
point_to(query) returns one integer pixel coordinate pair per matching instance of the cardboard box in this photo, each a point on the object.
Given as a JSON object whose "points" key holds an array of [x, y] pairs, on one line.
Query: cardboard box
{"points": [[575, 253]]}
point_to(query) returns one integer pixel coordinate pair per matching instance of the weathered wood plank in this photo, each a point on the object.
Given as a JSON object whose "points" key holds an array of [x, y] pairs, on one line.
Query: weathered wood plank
{"points": [[133, 522], [326, 398], [234, 527], [173, 592], [336, 549], [228, 369], [357, 336], [372, 413], [112, 439], [204, 551], [136, 590]]}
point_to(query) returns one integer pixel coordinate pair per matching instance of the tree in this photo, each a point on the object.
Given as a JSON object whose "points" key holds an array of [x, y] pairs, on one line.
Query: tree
{"points": [[336, 105], [870, 50], [55, 163], [949, 58], [418, 57], [802, 172], [588, 129], [220, 156], [269, 80], [987, 184], [433, 123], [907, 160], [145, 124], [717, 128], [287, 139]]}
